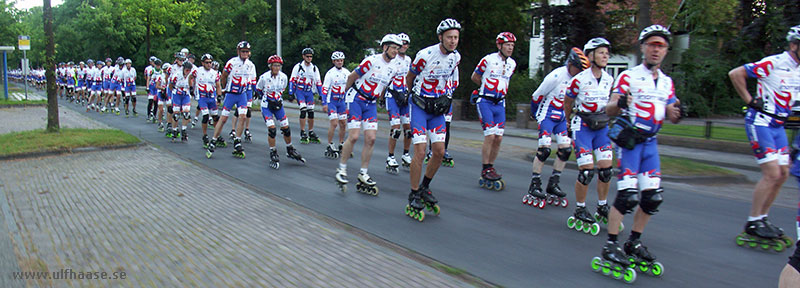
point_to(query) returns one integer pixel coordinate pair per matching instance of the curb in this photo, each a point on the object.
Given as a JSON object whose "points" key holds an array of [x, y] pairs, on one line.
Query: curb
{"points": [[61, 151], [22, 105]]}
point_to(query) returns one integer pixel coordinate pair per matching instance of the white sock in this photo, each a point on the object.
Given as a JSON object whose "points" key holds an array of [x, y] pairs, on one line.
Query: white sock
{"points": [[342, 165], [751, 218], [363, 170], [580, 204], [602, 202]]}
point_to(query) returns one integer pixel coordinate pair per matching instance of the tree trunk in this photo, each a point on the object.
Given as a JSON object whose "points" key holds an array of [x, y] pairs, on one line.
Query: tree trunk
{"points": [[147, 35], [546, 67], [50, 52], [243, 25]]}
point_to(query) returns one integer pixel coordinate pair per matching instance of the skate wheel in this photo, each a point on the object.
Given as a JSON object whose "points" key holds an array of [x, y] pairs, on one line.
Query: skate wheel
{"points": [[208, 155], [788, 241], [779, 246], [740, 240], [564, 203], [765, 246], [525, 199], [549, 200], [621, 225], [571, 222], [375, 191], [658, 269], [587, 227], [499, 185], [578, 224], [597, 264], [606, 268], [435, 209], [629, 276], [541, 204], [618, 271], [420, 215], [481, 183], [595, 229]]}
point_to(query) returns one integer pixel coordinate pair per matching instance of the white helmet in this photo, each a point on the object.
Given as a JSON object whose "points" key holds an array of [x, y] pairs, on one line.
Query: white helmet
{"points": [[595, 43], [447, 24], [337, 55], [654, 30], [794, 34], [128, 61], [185, 51], [391, 39], [165, 66], [404, 37]]}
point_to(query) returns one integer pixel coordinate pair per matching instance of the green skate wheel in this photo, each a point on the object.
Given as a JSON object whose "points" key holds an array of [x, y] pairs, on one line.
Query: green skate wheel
{"points": [[606, 268], [617, 272], [208, 154], [740, 240], [643, 266], [578, 224], [571, 222], [788, 241], [587, 227], [408, 210], [779, 246], [434, 209], [597, 264], [629, 276], [764, 246], [658, 269], [595, 229], [421, 215]]}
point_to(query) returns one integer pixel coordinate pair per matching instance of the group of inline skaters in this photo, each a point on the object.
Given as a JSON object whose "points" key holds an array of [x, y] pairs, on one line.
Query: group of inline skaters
{"points": [[35, 77], [578, 106]]}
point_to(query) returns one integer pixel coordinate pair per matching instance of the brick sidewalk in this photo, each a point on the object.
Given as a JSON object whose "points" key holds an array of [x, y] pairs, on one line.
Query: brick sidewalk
{"points": [[167, 223]]}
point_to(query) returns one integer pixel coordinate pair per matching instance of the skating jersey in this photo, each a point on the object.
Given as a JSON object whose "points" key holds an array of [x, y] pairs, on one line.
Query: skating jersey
{"points": [[435, 72], [549, 97], [180, 81], [495, 74], [333, 86], [591, 94], [403, 63], [106, 72], [116, 74], [157, 78], [95, 76], [81, 72], [241, 74], [206, 81], [71, 73], [778, 86], [129, 76], [305, 78], [650, 97], [375, 74], [147, 72], [272, 87]]}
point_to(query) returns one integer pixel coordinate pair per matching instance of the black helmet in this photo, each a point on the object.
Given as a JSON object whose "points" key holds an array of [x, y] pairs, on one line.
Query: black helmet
{"points": [[243, 45], [206, 57], [157, 62], [187, 65]]}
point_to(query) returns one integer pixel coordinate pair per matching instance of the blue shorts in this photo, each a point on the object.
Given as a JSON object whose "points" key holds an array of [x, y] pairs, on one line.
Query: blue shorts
{"points": [[163, 96], [181, 99], [397, 115], [768, 143], [131, 88], [97, 87], [107, 85], [360, 111], [588, 140], [271, 116], [549, 128], [305, 98], [151, 90], [337, 110], [424, 125], [71, 82], [81, 84], [206, 103], [240, 100], [115, 86], [639, 167], [492, 116]]}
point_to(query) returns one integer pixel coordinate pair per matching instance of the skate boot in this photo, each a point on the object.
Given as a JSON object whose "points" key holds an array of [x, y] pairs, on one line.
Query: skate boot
{"points": [[274, 161], [758, 234], [447, 160], [221, 142], [210, 148], [247, 137], [194, 121], [211, 121], [175, 134], [116, 111], [366, 185], [160, 127], [406, 159], [601, 215], [535, 197], [555, 196], [643, 259], [415, 206], [303, 137], [312, 137], [391, 165], [238, 150], [779, 231], [134, 113], [89, 107], [614, 263], [232, 135], [583, 221], [127, 114], [427, 157], [184, 136], [292, 153], [205, 141], [168, 134], [103, 110], [428, 200], [331, 153], [341, 179], [491, 180]]}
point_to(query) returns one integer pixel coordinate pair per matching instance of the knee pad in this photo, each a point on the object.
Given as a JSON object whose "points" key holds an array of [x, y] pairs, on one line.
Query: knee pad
{"points": [[302, 113], [248, 112], [651, 199], [186, 115], [271, 132], [205, 119], [310, 114], [585, 176], [563, 153], [408, 134], [133, 99], [604, 174], [396, 133], [626, 200], [235, 112], [175, 116], [286, 131], [543, 153]]}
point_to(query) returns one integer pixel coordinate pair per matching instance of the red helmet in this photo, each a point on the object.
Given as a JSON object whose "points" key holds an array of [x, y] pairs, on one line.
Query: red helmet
{"points": [[274, 59], [504, 37]]}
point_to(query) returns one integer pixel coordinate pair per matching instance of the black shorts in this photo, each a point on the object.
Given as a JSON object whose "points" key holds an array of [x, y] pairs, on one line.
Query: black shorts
{"points": [[794, 260]]}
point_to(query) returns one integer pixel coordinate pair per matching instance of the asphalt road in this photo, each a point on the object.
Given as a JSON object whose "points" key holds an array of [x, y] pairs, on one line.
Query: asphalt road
{"points": [[490, 234]]}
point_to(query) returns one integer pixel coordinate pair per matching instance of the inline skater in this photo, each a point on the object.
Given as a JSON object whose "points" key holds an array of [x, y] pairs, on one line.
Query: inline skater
{"points": [[95, 79], [129, 81], [80, 73], [642, 97], [493, 74], [206, 83], [790, 276], [397, 108], [270, 86], [117, 84], [778, 87], [588, 92], [238, 73], [69, 74], [171, 72], [431, 74], [107, 72], [547, 104], [333, 93], [160, 80], [181, 99], [364, 85], [151, 99], [303, 84]]}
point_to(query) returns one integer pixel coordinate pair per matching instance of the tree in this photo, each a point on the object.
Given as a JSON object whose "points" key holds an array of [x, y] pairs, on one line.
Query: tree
{"points": [[52, 98]]}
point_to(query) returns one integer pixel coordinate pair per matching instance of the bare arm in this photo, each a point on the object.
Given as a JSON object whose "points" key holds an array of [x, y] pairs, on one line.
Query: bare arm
{"points": [[410, 80], [351, 79], [612, 109], [739, 79], [674, 112], [224, 77], [476, 78], [568, 103]]}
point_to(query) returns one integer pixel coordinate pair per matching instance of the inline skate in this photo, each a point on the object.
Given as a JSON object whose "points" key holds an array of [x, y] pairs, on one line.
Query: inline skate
{"points": [[757, 234], [247, 137], [535, 197], [581, 220], [414, 208], [238, 150], [366, 185], [331, 153], [312, 137], [406, 160], [447, 160], [341, 179], [303, 137], [491, 180], [601, 215], [643, 259], [555, 196], [391, 165], [613, 262], [274, 161], [292, 153]]}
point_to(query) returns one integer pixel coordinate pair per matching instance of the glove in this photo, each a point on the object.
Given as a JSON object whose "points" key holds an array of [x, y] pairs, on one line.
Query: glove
{"points": [[290, 97], [473, 99], [756, 103], [622, 102]]}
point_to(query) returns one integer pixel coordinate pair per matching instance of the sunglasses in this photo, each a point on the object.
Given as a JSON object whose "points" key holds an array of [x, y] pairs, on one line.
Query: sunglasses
{"points": [[207, 62]]}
